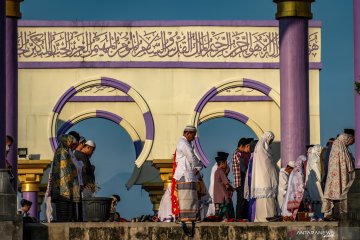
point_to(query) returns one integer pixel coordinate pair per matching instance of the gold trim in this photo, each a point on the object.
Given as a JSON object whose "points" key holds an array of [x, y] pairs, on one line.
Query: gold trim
{"points": [[153, 186], [33, 171], [163, 163], [13, 8], [30, 187], [293, 8], [165, 170], [156, 192], [30, 173]]}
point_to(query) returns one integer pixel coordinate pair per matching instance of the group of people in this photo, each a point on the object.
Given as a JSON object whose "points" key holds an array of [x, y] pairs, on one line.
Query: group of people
{"points": [[317, 182], [71, 176]]}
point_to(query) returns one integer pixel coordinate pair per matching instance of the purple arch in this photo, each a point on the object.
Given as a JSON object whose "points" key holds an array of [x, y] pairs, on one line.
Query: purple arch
{"points": [[227, 114], [249, 83], [231, 114], [100, 114], [104, 81]]}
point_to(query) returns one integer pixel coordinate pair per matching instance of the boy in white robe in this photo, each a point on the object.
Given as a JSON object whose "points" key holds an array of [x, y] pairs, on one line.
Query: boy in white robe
{"points": [[283, 183]]}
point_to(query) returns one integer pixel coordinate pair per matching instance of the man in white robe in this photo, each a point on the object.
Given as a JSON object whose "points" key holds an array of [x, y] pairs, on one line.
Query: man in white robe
{"points": [[187, 169], [283, 183]]}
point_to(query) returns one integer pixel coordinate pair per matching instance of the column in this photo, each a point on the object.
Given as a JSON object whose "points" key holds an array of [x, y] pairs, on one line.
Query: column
{"points": [[293, 16], [353, 213], [12, 16], [165, 167], [156, 192], [2, 84], [357, 79], [30, 174]]}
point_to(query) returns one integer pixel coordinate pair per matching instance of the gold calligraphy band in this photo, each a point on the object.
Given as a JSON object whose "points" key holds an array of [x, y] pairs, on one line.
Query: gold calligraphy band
{"points": [[30, 187], [293, 8], [13, 8]]}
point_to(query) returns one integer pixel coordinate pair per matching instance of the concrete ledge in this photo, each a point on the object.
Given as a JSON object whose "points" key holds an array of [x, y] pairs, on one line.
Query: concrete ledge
{"points": [[169, 231], [11, 230]]}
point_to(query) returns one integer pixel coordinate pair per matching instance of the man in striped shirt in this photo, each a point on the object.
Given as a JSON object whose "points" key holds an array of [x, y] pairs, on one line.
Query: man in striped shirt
{"points": [[240, 162]]}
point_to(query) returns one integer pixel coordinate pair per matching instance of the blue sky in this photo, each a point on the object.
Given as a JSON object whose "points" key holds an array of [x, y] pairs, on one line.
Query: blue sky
{"points": [[336, 77]]}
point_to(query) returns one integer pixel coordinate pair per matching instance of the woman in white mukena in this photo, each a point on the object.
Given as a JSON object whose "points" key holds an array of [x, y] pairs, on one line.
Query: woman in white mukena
{"points": [[264, 182]]}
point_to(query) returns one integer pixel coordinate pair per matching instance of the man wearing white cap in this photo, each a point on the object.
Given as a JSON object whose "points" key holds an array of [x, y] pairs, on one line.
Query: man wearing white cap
{"points": [[283, 183], [88, 169], [187, 168]]}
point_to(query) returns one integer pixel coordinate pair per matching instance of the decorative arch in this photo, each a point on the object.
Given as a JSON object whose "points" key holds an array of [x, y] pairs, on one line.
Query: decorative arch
{"points": [[233, 115], [226, 114], [105, 115], [109, 82], [223, 86]]}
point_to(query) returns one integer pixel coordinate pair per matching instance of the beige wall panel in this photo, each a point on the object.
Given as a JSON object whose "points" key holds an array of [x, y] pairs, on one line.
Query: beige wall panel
{"points": [[171, 95], [36, 137], [314, 92]]}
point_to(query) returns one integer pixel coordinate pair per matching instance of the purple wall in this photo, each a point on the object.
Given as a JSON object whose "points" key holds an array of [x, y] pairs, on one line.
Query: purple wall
{"points": [[357, 79], [294, 87], [12, 92], [2, 84], [247, 23], [140, 64]]}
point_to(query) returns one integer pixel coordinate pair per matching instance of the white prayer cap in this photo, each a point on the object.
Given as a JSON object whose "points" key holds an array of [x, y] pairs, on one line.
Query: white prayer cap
{"points": [[90, 143], [190, 128], [291, 164]]}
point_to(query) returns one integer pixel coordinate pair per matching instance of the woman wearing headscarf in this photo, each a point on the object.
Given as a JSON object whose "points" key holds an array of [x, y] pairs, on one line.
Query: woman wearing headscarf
{"points": [[211, 209], [314, 193], [264, 180], [165, 212], [63, 184], [340, 176], [295, 191]]}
